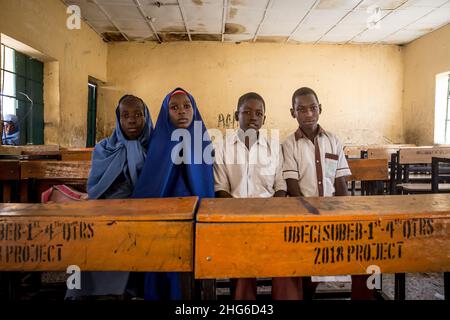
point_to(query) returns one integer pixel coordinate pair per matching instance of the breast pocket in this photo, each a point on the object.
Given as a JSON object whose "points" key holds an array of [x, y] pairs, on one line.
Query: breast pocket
{"points": [[331, 162]]}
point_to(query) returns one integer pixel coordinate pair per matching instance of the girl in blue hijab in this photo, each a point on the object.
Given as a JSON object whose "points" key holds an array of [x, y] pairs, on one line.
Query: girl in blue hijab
{"points": [[11, 131], [116, 165], [175, 168]]}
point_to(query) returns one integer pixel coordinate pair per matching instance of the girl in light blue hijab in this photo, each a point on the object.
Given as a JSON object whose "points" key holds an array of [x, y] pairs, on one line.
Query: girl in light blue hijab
{"points": [[116, 165], [11, 130]]}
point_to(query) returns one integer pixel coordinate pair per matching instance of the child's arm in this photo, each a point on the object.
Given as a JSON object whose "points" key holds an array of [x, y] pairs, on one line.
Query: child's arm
{"points": [[290, 170], [221, 183], [340, 185], [293, 189], [223, 194], [280, 184], [342, 171]]}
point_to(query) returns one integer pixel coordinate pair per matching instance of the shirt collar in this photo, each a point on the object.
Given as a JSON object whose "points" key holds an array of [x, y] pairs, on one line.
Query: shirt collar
{"points": [[261, 139], [299, 134]]}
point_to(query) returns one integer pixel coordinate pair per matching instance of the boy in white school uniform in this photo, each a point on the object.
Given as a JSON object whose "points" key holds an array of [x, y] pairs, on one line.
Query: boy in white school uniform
{"points": [[247, 165], [315, 165]]}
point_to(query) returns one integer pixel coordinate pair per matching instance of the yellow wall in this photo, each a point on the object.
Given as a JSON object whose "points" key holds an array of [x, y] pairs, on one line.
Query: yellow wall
{"points": [[360, 87], [75, 55], [424, 59]]}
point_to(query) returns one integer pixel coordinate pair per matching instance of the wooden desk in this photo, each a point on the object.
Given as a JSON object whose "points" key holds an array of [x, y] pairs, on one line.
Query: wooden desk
{"points": [[98, 235], [285, 237], [422, 155], [28, 149], [38, 176]]}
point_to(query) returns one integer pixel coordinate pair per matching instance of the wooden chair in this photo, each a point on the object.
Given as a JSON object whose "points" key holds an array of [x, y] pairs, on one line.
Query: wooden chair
{"points": [[371, 172], [437, 178]]}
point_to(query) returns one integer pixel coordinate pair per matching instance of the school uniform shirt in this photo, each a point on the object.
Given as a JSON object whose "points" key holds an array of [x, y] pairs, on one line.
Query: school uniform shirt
{"points": [[244, 173], [314, 164]]}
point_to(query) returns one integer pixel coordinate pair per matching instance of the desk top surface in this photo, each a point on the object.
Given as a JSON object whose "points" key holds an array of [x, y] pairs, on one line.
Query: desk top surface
{"points": [[323, 208], [119, 209]]}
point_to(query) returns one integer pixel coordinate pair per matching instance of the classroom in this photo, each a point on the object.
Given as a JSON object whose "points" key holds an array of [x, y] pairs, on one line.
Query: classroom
{"points": [[224, 150]]}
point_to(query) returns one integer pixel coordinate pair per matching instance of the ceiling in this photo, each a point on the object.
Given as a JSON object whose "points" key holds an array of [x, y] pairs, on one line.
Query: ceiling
{"points": [[285, 21]]}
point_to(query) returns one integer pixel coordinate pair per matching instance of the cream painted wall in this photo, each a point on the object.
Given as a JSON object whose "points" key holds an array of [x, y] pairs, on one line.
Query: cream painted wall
{"points": [[360, 87], [74, 55], [424, 59]]}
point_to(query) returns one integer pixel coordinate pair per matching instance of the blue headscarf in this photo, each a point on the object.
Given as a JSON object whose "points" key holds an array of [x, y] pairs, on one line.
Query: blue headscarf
{"points": [[158, 176], [117, 154], [12, 138]]}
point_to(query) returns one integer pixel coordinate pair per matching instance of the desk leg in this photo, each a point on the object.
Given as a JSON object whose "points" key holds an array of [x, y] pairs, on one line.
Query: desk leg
{"points": [[447, 285], [208, 289], [6, 192], [399, 286], [10, 284], [24, 191], [187, 286]]}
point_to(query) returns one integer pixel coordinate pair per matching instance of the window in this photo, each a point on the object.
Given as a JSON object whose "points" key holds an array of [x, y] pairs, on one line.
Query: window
{"points": [[8, 88], [22, 93], [447, 122], [442, 109]]}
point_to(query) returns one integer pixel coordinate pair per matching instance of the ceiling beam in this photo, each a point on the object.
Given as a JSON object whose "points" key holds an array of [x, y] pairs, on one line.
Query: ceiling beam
{"points": [[109, 18], [302, 20], [403, 28], [224, 16], [269, 4], [147, 20], [340, 20], [183, 15], [388, 14]]}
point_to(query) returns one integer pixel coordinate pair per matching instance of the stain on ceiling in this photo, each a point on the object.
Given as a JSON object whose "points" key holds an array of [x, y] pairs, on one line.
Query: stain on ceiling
{"points": [[281, 21]]}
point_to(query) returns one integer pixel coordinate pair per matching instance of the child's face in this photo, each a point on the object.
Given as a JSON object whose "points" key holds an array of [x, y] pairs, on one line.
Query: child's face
{"points": [[306, 110], [250, 115], [132, 119], [181, 112], [9, 127]]}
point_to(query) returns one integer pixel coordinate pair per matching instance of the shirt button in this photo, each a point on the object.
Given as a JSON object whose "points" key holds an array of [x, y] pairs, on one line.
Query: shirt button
{"points": [[317, 161], [320, 182]]}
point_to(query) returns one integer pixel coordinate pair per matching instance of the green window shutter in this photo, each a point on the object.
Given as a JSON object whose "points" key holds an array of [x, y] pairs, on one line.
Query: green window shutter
{"points": [[30, 81], [92, 114]]}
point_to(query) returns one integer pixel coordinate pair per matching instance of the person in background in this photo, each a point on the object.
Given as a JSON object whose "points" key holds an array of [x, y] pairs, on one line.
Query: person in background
{"points": [[11, 130]]}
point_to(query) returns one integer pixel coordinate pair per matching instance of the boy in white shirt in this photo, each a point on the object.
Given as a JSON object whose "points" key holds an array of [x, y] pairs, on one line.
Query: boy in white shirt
{"points": [[248, 166], [315, 164]]}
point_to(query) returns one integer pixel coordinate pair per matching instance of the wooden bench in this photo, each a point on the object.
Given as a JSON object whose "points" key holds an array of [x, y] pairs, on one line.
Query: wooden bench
{"points": [[371, 172], [437, 177], [76, 154], [285, 237]]}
